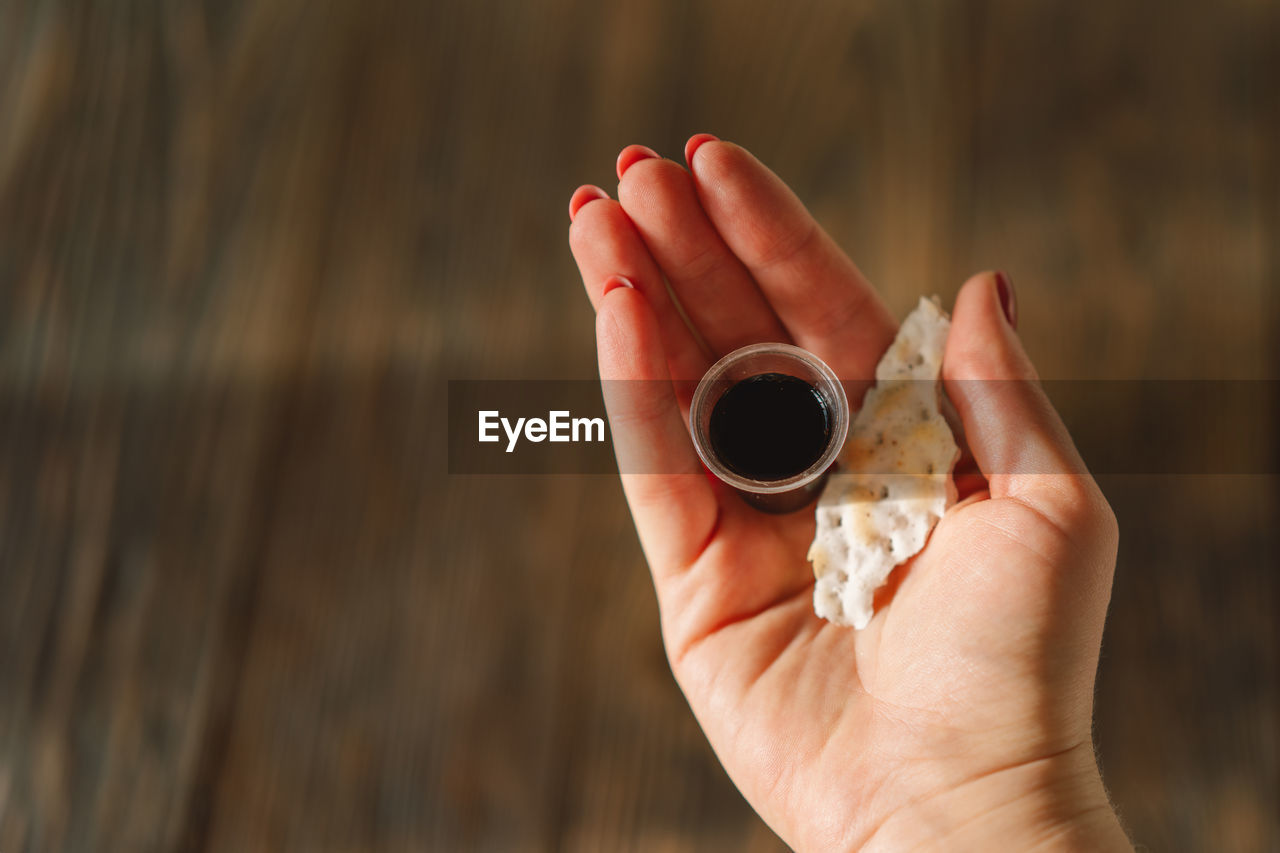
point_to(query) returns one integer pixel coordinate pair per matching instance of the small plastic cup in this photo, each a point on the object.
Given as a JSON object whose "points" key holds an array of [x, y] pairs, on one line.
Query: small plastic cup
{"points": [[793, 492]]}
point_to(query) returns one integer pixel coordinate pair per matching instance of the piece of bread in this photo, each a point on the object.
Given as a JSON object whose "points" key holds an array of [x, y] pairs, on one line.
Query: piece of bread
{"points": [[894, 479]]}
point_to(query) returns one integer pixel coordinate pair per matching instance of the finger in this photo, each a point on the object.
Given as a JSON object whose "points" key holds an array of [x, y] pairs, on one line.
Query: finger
{"points": [[670, 496], [823, 300], [716, 291], [966, 473], [606, 244], [1017, 438], [582, 195]]}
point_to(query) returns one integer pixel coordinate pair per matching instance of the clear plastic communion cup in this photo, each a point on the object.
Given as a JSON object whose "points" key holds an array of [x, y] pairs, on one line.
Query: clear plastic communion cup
{"points": [[767, 439]]}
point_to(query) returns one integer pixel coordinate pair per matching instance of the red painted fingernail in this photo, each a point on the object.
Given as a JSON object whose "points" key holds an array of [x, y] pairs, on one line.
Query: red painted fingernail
{"points": [[613, 282], [1008, 301], [633, 154], [694, 142], [581, 196]]}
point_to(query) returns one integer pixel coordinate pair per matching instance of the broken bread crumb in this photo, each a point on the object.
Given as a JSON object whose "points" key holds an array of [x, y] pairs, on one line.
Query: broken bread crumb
{"points": [[894, 478]]}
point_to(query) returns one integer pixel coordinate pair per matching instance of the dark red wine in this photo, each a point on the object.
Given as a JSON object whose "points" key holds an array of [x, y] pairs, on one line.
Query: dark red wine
{"points": [[770, 427]]}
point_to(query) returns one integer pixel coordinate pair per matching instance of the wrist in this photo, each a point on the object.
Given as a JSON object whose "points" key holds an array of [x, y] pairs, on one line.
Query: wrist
{"points": [[1056, 803]]}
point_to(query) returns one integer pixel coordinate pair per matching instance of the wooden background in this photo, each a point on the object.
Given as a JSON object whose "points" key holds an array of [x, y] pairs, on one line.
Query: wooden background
{"points": [[243, 246]]}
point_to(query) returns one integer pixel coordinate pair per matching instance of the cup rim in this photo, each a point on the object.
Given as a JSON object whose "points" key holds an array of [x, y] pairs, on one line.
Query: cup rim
{"points": [[840, 416]]}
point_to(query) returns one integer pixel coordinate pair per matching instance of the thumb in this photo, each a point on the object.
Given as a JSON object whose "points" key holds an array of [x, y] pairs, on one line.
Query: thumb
{"points": [[1017, 437]]}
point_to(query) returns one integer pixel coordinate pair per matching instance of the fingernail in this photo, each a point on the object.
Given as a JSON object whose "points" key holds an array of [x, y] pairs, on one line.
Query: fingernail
{"points": [[1008, 301], [613, 282], [633, 154], [694, 142], [581, 196]]}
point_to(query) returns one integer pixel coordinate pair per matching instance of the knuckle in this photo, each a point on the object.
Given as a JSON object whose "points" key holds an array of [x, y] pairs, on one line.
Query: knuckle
{"points": [[780, 249], [638, 403], [1082, 506]]}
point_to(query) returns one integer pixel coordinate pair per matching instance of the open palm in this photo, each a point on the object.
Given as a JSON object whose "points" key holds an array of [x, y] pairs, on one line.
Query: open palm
{"points": [[964, 708]]}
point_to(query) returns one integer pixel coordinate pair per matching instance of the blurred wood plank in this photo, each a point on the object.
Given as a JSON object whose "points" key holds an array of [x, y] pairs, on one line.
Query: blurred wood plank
{"points": [[128, 553], [244, 245]]}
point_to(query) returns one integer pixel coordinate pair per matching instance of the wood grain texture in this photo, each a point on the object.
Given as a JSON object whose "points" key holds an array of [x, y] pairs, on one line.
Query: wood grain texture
{"points": [[243, 246]]}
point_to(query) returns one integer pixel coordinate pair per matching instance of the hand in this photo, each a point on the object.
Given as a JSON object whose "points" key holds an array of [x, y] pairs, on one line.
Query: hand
{"points": [[960, 718]]}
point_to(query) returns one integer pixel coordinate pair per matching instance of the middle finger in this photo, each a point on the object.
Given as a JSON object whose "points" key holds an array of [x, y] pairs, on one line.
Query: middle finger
{"points": [[715, 290]]}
